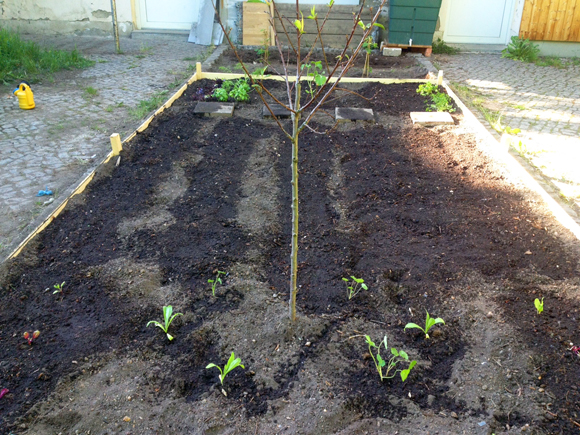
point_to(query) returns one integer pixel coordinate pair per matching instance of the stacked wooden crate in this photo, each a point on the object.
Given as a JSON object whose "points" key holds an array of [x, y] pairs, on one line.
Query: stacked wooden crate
{"points": [[256, 27]]}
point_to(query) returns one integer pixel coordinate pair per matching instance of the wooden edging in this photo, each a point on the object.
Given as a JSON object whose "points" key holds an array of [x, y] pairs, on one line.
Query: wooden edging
{"points": [[500, 152], [198, 75]]}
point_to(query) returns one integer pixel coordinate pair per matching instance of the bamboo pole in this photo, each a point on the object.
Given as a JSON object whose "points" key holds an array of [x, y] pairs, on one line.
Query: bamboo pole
{"points": [[115, 24]]}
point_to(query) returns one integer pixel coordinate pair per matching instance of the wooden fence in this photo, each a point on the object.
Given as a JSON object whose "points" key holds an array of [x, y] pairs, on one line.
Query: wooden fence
{"points": [[551, 20]]}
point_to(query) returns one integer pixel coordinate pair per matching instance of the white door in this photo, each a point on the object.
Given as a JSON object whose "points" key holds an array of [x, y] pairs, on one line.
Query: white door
{"points": [[163, 14], [478, 21]]}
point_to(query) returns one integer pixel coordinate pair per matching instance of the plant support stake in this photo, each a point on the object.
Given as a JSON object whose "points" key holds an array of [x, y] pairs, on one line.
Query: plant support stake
{"points": [[115, 24]]}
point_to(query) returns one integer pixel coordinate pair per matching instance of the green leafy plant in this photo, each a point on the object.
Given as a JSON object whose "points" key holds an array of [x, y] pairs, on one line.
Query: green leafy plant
{"points": [[264, 50], [384, 368], [539, 304], [521, 49], [441, 47], [354, 286], [220, 94], [368, 45], [216, 281], [31, 337], [167, 318], [58, 288], [429, 323], [314, 70], [232, 363], [240, 90], [440, 102], [427, 89]]}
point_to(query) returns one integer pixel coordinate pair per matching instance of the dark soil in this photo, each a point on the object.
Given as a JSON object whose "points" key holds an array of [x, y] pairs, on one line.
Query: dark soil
{"points": [[423, 215], [401, 67]]}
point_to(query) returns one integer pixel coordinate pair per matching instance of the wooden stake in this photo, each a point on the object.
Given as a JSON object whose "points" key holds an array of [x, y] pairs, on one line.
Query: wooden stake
{"points": [[440, 77], [116, 144], [198, 70]]}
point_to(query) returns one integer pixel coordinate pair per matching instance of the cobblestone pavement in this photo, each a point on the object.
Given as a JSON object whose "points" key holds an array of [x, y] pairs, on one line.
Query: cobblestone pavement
{"points": [[544, 102], [67, 134]]}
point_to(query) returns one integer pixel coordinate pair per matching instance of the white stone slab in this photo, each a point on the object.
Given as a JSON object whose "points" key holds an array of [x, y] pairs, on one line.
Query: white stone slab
{"points": [[392, 51], [431, 118]]}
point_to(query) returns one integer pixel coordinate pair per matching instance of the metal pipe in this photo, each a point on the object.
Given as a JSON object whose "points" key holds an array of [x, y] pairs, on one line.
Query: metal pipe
{"points": [[115, 24]]}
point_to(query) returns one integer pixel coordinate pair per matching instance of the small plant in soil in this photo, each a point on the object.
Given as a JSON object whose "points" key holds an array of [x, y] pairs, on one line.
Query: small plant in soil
{"points": [[440, 102], [521, 49], [167, 318], [232, 363], [216, 281], [58, 288], [539, 304], [429, 323], [31, 337], [384, 368], [368, 45], [354, 286], [238, 91]]}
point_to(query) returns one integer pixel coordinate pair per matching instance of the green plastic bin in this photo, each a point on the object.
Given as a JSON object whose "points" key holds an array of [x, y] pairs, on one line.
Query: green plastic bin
{"points": [[412, 22]]}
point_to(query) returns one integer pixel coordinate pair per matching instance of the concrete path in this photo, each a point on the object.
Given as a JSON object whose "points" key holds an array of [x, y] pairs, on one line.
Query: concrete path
{"points": [[544, 102], [67, 134]]}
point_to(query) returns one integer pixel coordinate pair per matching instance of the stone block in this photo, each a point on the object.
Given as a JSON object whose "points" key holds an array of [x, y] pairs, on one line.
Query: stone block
{"points": [[431, 118], [214, 109], [279, 111], [392, 51], [353, 114]]}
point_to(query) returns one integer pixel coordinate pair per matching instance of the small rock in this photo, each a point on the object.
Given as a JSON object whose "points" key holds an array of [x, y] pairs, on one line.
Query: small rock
{"points": [[308, 344], [453, 414], [489, 315], [127, 419], [541, 390], [430, 399], [484, 388]]}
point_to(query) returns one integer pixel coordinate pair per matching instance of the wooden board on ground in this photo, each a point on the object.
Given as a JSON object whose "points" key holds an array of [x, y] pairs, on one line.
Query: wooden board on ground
{"points": [[431, 118]]}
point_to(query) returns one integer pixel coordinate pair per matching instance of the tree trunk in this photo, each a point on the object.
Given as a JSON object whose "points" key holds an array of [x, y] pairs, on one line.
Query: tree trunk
{"points": [[294, 253]]}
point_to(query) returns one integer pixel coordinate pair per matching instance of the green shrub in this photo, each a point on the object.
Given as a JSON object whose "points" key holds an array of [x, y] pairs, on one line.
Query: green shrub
{"points": [[521, 49], [441, 47]]}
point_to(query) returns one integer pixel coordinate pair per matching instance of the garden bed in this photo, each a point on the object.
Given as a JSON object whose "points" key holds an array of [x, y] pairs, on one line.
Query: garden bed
{"points": [[423, 215], [400, 67]]}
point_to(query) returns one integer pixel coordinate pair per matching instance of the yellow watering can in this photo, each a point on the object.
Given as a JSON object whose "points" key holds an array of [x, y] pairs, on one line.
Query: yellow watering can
{"points": [[25, 96]]}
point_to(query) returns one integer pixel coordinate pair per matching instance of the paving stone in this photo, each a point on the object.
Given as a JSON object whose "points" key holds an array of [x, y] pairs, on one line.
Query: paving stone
{"points": [[214, 108], [279, 111], [353, 114], [431, 118]]}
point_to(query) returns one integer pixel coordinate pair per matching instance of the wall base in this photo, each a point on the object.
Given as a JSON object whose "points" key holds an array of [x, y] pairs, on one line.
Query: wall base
{"points": [[559, 49], [57, 27]]}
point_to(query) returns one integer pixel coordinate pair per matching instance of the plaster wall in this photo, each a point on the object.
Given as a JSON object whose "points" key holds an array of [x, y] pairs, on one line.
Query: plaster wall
{"points": [[58, 16]]}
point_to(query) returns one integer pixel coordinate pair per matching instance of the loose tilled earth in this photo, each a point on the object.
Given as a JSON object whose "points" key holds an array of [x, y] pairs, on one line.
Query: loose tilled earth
{"points": [[423, 215], [402, 67]]}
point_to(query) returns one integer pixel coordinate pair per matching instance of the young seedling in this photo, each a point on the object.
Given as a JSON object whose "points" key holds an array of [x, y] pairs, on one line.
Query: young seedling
{"points": [[216, 281], [31, 337], [429, 323], [354, 286], [384, 368], [58, 288], [168, 318], [232, 363], [539, 304]]}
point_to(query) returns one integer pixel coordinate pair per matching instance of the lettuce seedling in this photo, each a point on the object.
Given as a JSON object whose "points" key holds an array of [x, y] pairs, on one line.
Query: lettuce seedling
{"points": [[232, 363], [352, 288], [216, 281], [384, 368], [31, 337], [58, 287], [168, 318], [429, 323], [539, 304]]}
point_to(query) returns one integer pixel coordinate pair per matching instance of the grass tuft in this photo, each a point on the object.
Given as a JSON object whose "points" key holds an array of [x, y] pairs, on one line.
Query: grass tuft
{"points": [[23, 60], [146, 106]]}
